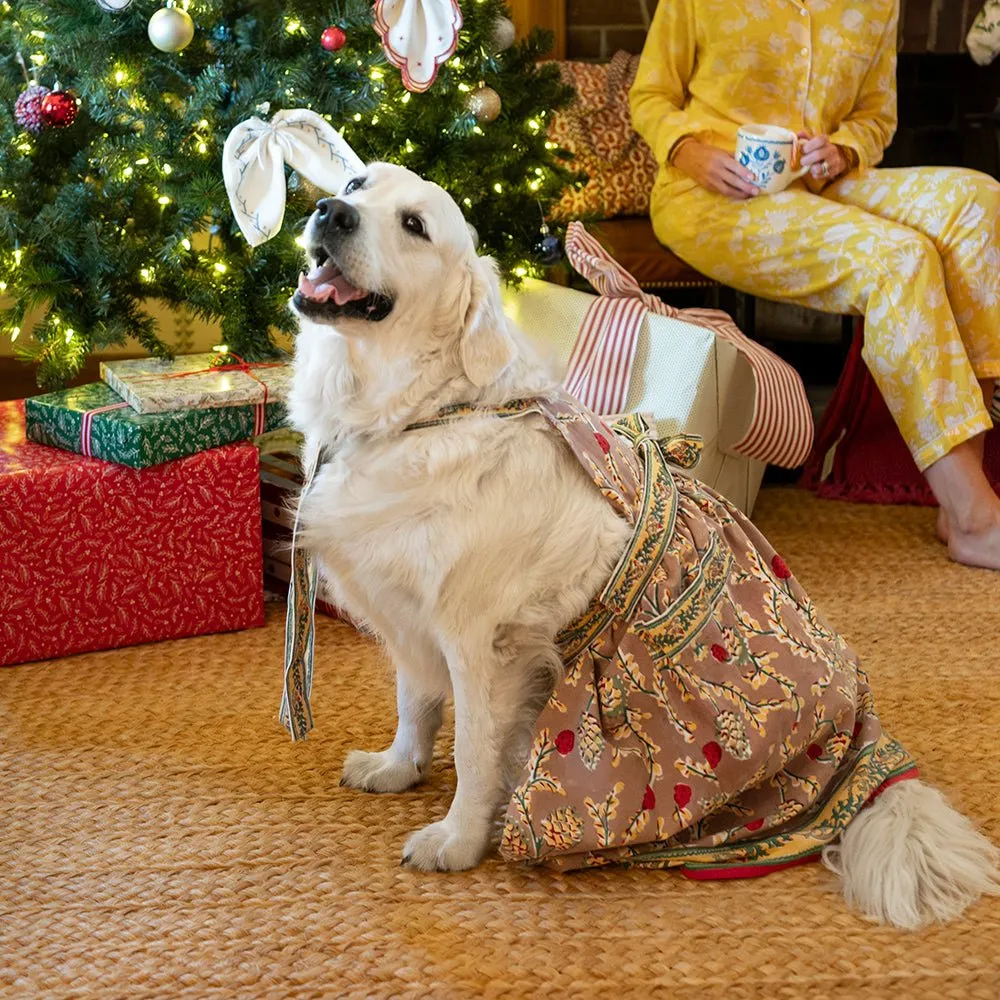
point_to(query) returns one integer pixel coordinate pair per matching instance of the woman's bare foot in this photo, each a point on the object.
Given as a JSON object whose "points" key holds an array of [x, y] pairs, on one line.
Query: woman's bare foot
{"points": [[976, 548], [969, 520], [942, 526]]}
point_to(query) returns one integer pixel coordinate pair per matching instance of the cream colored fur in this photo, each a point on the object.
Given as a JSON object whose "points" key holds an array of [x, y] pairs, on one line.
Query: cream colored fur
{"points": [[466, 547]]}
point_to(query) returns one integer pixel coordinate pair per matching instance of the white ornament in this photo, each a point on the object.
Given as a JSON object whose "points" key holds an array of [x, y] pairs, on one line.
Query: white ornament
{"points": [[504, 33], [253, 166], [114, 4], [417, 36], [171, 29], [984, 36]]}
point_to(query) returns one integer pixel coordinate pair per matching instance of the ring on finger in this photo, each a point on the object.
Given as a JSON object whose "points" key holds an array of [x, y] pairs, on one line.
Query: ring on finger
{"points": [[825, 168]]}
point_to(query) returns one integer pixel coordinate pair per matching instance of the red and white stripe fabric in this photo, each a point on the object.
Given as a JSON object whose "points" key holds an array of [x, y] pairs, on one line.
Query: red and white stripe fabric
{"points": [[260, 416], [87, 423], [600, 367]]}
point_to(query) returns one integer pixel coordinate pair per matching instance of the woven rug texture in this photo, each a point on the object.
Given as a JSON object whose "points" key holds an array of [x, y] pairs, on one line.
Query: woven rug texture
{"points": [[161, 837]]}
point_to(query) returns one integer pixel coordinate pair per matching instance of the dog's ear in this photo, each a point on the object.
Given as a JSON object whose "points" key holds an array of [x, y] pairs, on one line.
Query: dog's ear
{"points": [[486, 346]]}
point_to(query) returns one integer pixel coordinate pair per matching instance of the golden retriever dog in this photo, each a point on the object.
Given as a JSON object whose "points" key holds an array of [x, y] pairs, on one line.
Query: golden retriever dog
{"points": [[467, 547]]}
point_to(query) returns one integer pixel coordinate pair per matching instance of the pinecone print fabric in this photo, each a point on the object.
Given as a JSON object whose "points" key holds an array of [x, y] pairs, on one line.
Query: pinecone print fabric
{"points": [[709, 716], [562, 829], [732, 735]]}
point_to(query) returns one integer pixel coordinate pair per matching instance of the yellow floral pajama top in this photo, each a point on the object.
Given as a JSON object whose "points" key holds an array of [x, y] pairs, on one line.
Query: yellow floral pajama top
{"points": [[916, 250]]}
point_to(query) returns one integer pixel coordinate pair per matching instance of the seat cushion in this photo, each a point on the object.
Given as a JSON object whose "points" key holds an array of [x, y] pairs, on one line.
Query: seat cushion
{"points": [[597, 129], [632, 242]]}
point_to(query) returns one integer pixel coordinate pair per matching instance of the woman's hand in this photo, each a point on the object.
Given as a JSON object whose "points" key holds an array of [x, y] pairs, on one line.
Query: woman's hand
{"points": [[818, 150], [714, 169]]}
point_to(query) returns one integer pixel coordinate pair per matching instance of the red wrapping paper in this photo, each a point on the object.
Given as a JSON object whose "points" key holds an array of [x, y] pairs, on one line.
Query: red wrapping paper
{"points": [[95, 555]]}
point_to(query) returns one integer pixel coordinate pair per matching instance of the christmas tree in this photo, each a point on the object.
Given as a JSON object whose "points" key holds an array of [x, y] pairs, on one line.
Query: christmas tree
{"points": [[111, 190]]}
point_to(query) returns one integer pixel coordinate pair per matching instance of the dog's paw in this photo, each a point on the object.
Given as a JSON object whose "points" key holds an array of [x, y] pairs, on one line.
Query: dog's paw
{"points": [[439, 847], [379, 772]]}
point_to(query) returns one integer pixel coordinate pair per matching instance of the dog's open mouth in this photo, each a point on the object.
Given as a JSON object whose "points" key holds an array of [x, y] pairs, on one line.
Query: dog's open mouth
{"points": [[325, 292]]}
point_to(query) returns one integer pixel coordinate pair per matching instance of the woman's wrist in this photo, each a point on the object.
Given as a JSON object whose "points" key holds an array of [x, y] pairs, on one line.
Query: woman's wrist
{"points": [[683, 141], [850, 158]]}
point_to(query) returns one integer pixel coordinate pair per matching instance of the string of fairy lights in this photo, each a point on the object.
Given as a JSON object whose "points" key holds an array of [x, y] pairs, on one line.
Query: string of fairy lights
{"points": [[156, 175]]}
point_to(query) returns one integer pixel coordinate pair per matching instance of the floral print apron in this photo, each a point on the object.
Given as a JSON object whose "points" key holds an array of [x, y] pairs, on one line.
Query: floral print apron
{"points": [[709, 717]]}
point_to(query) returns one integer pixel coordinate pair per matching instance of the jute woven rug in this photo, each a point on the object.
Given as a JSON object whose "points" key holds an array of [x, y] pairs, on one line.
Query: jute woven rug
{"points": [[161, 837]]}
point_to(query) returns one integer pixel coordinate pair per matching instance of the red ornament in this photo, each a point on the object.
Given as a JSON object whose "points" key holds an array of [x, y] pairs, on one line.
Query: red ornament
{"points": [[59, 109], [682, 794], [602, 443], [713, 753], [332, 39], [754, 824], [28, 108], [565, 741], [813, 751], [780, 567], [720, 652], [648, 799]]}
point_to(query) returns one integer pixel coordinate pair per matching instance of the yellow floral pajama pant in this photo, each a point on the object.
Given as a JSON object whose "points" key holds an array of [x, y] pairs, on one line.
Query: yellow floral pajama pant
{"points": [[914, 250]]}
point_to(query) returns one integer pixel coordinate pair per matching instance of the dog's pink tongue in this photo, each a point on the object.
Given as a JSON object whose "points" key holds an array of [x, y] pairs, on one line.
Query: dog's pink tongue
{"points": [[325, 282]]}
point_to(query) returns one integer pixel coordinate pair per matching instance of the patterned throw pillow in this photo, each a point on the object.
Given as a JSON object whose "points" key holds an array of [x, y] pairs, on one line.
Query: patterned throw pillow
{"points": [[597, 129]]}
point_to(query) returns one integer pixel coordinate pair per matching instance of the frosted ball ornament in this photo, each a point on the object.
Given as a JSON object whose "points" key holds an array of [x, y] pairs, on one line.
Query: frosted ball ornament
{"points": [[114, 5], [171, 29], [503, 34], [484, 103], [28, 108]]}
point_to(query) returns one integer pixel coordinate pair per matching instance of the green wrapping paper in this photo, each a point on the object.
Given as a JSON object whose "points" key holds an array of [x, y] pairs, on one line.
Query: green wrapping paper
{"points": [[138, 439]]}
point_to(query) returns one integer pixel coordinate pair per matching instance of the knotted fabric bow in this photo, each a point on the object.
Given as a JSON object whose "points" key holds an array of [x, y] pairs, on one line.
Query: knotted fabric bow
{"points": [[253, 166]]}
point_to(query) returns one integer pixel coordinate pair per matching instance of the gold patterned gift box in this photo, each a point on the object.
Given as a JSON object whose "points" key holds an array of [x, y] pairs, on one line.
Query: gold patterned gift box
{"points": [[196, 381]]}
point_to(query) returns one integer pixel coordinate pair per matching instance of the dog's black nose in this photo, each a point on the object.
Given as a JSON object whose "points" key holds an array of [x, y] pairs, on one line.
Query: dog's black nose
{"points": [[336, 214]]}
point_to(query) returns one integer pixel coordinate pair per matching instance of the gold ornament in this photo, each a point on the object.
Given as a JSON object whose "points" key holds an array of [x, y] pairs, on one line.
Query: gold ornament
{"points": [[171, 29], [484, 103]]}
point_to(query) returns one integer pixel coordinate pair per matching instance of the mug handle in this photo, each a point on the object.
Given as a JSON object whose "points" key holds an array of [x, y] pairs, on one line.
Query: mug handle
{"points": [[797, 171]]}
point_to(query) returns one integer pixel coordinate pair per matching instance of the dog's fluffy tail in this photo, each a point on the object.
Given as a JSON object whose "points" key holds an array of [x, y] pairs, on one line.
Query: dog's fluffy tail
{"points": [[910, 859]]}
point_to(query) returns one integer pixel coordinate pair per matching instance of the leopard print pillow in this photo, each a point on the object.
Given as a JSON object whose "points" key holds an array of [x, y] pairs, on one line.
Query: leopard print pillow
{"points": [[597, 129]]}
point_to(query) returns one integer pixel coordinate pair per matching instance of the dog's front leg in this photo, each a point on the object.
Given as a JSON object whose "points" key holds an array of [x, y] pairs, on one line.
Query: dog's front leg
{"points": [[405, 763], [488, 702]]}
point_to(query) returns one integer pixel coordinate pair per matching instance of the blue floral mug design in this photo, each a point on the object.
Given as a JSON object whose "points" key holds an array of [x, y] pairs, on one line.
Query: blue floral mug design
{"points": [[771, 154]]}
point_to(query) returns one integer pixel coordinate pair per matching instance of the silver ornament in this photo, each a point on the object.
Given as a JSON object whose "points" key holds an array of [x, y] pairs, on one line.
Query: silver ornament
{"points": [[484, 103], [171, 29], [114, 5], [504, 34]]}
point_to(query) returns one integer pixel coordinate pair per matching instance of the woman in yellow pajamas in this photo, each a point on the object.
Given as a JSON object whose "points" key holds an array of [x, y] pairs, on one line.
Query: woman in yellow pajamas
{"points": [[917, 251]]}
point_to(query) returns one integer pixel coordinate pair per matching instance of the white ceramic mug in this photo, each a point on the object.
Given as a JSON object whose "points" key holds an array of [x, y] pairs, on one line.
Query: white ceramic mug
{"points": [[771, 154]]}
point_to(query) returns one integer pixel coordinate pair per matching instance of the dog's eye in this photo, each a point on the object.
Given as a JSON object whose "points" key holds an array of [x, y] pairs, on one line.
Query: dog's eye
{"points": [[353, 184], [415, 225]]}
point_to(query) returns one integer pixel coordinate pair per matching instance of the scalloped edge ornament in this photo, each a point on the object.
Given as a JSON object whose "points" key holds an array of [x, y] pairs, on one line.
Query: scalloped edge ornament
{"points": [[433, 25]]}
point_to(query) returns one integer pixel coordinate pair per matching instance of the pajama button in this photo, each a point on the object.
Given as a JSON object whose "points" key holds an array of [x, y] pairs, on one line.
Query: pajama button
{"points": [[805, 52], [803, 12]]}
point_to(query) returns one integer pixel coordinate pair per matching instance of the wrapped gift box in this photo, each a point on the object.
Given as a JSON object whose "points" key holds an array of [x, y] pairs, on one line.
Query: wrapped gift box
{"points": [[689, 380], [94, 420], [626, 350], [153, 385], [96, 555]]}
